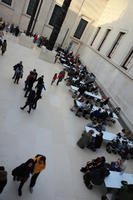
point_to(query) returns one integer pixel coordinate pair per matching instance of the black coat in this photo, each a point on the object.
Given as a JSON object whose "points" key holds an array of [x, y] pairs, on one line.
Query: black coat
{"points": [[30, 98], [98, 141], [23, 171], [97, 176]]}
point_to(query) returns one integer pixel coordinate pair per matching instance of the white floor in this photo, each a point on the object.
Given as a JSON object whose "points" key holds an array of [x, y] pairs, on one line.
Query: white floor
{"points": [[52, 130]]}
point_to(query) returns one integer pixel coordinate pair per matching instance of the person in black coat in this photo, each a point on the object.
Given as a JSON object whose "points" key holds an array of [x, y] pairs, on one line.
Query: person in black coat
{"points": [[29, 85], [37, 97], [3, 178], [22, 173], [98, 140], [95, 177], [30, 101], [15, 67], [40, 80]]}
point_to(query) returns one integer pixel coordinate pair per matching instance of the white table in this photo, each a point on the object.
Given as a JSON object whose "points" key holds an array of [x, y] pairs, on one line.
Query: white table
{"points": [[93, 95], [115, 116], [74, 79], [115, 178], [79, 104], [62, 59], [82, 82], [108, 136], [65, 65], [74, 89]]}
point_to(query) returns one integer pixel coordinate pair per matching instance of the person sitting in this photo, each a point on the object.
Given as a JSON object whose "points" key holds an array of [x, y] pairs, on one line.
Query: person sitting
{"points": [[98, 140], [126, 132], [83, 107], [103, 115], [119, 165], [105, 102], [100, 126], [87, 111], [124, 149], [81, 99], [94, 164], [117, 110], [95, 177], [95, 114], [82, 89], [85, 139], [115, 165]]}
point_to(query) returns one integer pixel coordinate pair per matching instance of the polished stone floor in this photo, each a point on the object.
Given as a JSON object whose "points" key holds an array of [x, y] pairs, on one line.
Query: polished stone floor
{"points": [[52, 130]]}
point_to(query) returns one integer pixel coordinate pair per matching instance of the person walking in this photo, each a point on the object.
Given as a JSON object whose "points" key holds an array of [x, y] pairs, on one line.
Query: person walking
{"points": [[54, 78], [34, 105], [29, 102], [35, 74], [4, 47], [18, 74], [40, 80], [27, 81], [18, 65], [61, 77], [40, 164], [3, 178], [39, 88], [30, 83], [22, 173]]}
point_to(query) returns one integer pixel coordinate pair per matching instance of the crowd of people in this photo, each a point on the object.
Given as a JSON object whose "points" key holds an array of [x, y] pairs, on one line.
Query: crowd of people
{"points": [[99, 112], [78, 76]]}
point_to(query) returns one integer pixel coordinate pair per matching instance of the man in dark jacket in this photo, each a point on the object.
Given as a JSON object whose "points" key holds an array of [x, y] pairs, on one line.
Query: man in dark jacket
{"points": [[98, 140], [30, 83], [3, 178], [29, 102], [15, 67]]}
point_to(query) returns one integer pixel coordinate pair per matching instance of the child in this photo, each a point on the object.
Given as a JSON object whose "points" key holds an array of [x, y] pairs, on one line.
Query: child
{"points": [[54, 78]]}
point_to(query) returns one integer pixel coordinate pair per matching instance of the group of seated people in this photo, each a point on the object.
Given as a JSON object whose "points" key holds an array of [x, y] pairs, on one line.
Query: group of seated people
{"points": [[96, 170], [89, 110], [121, 145], [89, 141], [79, 77]]}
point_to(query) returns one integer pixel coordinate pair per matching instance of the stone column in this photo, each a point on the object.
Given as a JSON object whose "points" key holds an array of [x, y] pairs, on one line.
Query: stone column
{"points": [[58, 24]]}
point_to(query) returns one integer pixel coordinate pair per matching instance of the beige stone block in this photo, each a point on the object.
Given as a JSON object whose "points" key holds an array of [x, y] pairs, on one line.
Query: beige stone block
{"points": [[47, 55], [26, 41]]}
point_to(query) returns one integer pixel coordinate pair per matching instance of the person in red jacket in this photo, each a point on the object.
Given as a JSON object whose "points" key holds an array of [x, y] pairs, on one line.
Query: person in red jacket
{"points": [[35, 38], [54, 78], [61, 76]]}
